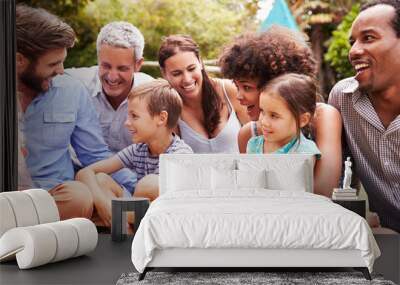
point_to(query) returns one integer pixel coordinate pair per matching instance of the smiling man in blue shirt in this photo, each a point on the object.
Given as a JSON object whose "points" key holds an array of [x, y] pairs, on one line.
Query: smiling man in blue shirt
{"points": [[57, 112]]}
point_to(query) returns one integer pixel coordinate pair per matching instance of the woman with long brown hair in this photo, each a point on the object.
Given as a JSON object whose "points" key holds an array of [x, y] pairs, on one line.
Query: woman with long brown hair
{"points": [[211, 115]]}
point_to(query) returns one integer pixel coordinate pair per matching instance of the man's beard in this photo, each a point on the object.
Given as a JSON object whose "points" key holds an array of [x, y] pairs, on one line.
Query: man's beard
{"points": [[31, 80]]}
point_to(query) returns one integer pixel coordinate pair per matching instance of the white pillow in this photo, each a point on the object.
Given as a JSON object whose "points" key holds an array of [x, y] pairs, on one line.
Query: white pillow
{"points": [[283, 172], [223, 179], [226, 179], [251, 178], [180, 172], [293, 180], [188, 177]]}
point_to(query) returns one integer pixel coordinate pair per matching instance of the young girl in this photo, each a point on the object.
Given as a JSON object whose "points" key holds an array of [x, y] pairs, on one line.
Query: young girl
{"points": [[287, 104]]}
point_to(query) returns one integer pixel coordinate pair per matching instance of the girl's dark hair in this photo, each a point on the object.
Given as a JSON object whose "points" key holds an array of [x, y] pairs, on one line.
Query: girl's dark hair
{"points": [[211, 102], [299, 92]]}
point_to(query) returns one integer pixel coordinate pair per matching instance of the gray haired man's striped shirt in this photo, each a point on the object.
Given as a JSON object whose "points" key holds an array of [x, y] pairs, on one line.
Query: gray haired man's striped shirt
{"points": [[374, 148]]}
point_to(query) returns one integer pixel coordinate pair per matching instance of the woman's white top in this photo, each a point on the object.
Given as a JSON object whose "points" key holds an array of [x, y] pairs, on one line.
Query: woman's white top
{"points": [[225, 142]]}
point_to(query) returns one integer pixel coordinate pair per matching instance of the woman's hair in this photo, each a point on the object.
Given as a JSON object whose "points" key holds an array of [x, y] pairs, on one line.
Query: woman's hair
{"points": [[298, 91], [38, 31], [211, 102], [267, 55], [160, 96]]}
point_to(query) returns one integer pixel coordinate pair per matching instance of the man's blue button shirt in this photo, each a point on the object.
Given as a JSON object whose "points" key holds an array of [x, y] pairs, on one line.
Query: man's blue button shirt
{"points": [[61, 116]]}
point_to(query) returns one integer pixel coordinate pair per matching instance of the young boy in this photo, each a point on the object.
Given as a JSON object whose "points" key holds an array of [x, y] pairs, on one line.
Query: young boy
{"points": [[153, 112]]}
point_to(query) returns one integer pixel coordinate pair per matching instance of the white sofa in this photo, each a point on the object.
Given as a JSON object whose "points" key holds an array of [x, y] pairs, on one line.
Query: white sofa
{"points": [[31, 231]]}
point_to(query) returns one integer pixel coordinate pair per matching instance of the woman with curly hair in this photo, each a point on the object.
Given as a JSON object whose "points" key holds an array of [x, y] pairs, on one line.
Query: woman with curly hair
{"points": [[252, 60], [211, 115]]}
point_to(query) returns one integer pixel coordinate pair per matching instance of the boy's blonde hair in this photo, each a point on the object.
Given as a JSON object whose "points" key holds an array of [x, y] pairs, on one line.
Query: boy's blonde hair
{"points": [[160, 96]]}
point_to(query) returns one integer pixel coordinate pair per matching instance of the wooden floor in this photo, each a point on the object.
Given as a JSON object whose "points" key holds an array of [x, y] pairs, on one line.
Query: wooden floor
{"points": [[110, 259], [389, 262], [102, 266]]}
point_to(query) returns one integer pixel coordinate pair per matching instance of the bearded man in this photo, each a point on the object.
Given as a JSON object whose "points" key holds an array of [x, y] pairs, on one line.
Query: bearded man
{"points": [[57, 112]]}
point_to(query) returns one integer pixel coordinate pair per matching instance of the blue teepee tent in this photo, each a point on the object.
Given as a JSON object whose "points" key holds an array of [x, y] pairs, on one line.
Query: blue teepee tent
{"points": [[279, 15]]}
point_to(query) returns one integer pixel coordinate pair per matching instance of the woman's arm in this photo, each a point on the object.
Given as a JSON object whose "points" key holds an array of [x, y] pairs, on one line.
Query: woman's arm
{"points": [[327, 124], [240, 110]]}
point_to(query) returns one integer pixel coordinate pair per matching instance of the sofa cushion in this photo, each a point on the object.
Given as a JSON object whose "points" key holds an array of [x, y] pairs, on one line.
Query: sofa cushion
{"points": [[41, 244], [26, 208], [7, 216]]}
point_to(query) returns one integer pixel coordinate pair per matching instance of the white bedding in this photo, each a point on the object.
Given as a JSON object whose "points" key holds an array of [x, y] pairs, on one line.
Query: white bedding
{"points": [[252, 218]]}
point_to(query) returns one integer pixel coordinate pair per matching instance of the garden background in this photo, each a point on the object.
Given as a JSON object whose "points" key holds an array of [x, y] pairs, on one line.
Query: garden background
{"points": [[212, 23]]}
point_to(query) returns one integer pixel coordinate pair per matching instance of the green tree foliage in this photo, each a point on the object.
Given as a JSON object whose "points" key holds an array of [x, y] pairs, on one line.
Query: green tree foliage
{"points": [[70, 12], [337, 55], [64, 8], [212, 23]]}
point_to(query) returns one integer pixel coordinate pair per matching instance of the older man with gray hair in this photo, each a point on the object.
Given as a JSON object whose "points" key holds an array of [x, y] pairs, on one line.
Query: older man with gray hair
{"points": [[120, 56]]}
